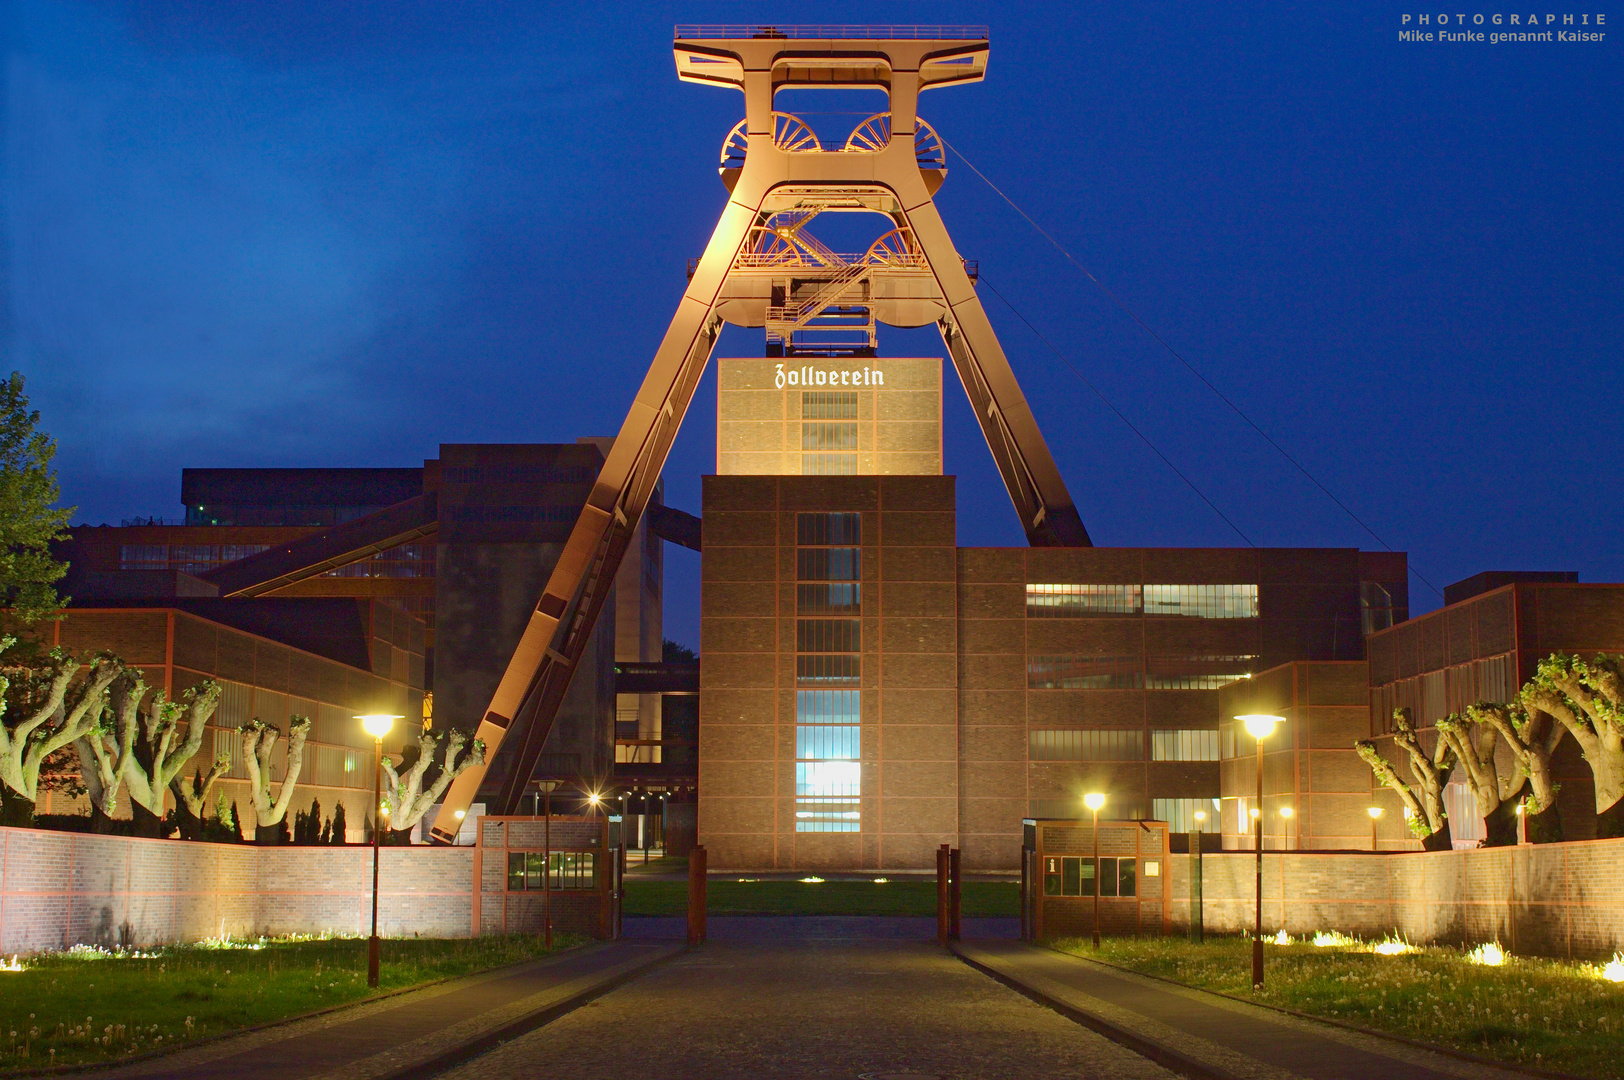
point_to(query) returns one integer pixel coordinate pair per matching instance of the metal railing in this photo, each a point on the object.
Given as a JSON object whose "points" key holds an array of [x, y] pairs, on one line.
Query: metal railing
{"points": [[837, 32], [752, 261]]}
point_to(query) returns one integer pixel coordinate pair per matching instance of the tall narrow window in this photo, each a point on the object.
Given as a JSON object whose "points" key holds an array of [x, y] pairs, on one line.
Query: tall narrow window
{"points": [[828, 721]]}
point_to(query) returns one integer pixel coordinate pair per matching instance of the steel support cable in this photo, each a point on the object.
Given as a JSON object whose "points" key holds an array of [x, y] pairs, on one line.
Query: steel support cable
{"points": [[982, 280], [1238, 411]]}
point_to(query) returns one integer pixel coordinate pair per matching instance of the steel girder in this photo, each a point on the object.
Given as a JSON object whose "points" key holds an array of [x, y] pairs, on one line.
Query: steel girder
{"points": [[771, 178]]}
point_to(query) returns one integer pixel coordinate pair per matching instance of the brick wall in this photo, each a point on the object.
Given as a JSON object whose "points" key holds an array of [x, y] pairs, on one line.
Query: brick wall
{"points": [[59, 889], [1563, 900]]}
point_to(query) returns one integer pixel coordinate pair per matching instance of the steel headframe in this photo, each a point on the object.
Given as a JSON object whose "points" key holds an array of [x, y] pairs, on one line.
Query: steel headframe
{"points": [[759, 61]]}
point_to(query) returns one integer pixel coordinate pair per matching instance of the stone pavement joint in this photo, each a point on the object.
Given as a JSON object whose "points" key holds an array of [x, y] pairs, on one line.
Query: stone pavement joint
{"points": [[1199, 1034]]}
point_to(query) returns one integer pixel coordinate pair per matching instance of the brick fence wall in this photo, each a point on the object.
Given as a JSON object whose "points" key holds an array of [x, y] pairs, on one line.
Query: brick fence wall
{"points": [[59, 889], [1562, 900]]}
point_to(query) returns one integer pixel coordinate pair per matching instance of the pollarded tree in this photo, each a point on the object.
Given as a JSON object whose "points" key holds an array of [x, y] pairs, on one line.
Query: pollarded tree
{"points": [[1476, 742], [1587, 698], [48, 704], [1428, 819], [258, 741], [29, 521], [1533, 736], [404, 794], [192, 798], [151, 743]]}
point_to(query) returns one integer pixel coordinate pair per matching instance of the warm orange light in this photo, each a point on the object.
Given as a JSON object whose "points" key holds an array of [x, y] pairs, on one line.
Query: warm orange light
{"points": [[378, 724], [1260, 725], [1374, 812], [1094, 800]]}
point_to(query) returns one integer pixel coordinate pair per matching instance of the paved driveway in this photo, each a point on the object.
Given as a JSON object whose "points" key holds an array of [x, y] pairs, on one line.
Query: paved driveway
{"points": [[799, 998]]}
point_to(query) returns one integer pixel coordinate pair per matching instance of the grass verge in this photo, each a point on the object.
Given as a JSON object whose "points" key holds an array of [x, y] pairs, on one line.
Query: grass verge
{"points": [[1546, 1013], [87, 1005], [980, 899]]}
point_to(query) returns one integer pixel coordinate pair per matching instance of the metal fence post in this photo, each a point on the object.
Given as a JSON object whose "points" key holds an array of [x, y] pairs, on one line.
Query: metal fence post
{"points": [[696, 896], [955, 889], [942, 925]]}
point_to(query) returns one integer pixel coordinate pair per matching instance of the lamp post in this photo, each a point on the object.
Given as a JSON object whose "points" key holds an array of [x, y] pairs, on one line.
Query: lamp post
{"points": [[1199, 926], [1285, 828], [1094, 800], [1375, 813], [546, 788], [377, 725], [1258, 725]]}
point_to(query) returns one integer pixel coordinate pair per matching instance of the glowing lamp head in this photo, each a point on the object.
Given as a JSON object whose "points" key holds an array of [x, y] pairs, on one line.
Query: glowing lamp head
{"points": [[594, 799], [1374, 812], [1520, 809], [378, 724], [1200, 816], [1286, 812], [1259, 725], [460, 814], [1256, 813], [1094, 800]]}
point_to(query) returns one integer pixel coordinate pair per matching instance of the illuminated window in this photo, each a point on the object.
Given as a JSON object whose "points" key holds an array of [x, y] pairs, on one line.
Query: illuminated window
{"points": [[1196, 672], [829, 405], [1073, 672], [1073, 875], [1070, 601], [1180, 814], [828, 530], [832, 599], [1069, 745], [827, 670], [1202, 601], [1067, 600], [829, 464], [829, 564], [1184, 745]]}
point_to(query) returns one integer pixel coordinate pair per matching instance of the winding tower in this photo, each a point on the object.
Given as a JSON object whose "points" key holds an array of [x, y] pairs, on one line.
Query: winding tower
{"points": [[765, 268]]}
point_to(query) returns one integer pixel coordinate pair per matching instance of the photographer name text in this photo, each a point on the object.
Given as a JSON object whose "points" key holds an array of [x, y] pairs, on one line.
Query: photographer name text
{"points": [[1500, 27]]}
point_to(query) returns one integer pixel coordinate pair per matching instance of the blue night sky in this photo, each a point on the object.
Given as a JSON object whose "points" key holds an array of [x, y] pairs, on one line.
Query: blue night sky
{"points": [[318, 234]]}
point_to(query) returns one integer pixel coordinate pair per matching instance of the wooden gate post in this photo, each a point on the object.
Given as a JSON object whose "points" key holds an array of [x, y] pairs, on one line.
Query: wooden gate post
{"points": [[696, 895], [955, 889], [942, 922]]}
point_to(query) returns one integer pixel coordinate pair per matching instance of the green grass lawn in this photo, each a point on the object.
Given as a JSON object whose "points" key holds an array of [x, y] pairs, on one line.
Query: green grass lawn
{"points": [[734, 897], [1546, 1013], [88, 1006]]}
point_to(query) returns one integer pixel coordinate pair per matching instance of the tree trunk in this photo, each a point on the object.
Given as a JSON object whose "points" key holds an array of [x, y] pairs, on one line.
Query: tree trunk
{"points": [[268, 835], [101, 824], [191, 826], [1546, 827], [16, 811], [1610, 822], [1438, 841], [1501, 826], [145, 823]]}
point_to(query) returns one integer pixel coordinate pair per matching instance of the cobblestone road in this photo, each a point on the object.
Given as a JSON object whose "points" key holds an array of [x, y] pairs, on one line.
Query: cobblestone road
{"points": [[794, 999]]}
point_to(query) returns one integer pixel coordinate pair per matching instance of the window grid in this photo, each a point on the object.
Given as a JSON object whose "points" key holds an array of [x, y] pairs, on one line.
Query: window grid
{"points": [[828, 530], [1073, 672], [1125, 744], [1197, 672], [826, 436], [1199, 744], [1073, 600], [828, 405], [1180, 814], [828, 464], [829, 564], [570, 870], [831, 599], [827, 669]]}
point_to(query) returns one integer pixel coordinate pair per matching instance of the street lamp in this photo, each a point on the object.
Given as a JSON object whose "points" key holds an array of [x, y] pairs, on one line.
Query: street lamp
{"points": [[1259, 725], [547, 865], [1285, 827], [1375, 813], [1094, 800], [1198, 929], [377, 725]]}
